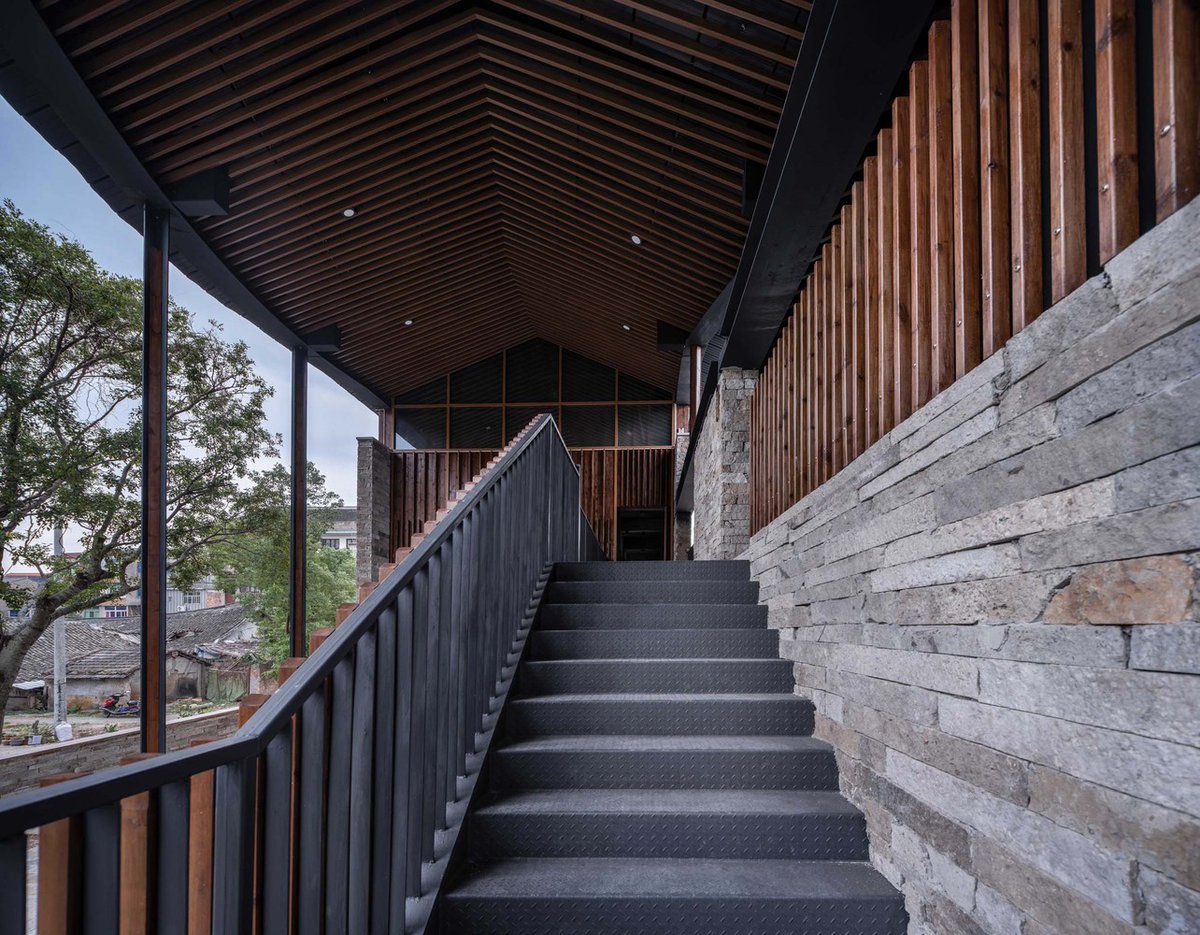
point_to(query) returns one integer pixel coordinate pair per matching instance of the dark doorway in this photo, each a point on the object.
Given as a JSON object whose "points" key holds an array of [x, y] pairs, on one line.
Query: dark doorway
{"points": [[640, 535]]}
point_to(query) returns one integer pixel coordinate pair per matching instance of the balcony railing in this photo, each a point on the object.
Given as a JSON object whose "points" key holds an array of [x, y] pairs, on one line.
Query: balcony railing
{"points": [[330, 809]]}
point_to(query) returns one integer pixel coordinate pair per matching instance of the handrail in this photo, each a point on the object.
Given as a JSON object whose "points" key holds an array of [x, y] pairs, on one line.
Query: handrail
{"points": [[407, 677]]}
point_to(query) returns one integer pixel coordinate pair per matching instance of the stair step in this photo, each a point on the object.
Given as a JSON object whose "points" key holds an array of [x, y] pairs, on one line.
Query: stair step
{"points": [[576, 676], [683, 714], [651, 616], [665, 762], [653, 592], [652, 571], [766, 824], [601, 896], [655, 644]]}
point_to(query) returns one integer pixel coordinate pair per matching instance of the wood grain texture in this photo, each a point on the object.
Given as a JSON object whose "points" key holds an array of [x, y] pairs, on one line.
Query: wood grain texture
{"points": [[1176, 39], [1068, 232], [942, 296], [994, 192], [965, 67]]}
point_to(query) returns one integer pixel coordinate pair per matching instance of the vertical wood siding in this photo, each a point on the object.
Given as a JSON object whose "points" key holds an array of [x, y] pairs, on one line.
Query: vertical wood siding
{"points": [[1026, 148], [610, 479]]}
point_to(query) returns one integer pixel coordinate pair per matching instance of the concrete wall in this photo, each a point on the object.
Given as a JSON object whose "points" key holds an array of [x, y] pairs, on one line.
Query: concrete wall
{"points": [[995, 611], [721, 469], [374, 509], [88, 754]]}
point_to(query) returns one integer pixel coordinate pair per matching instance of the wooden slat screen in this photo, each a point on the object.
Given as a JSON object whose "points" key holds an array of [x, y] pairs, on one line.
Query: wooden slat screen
{"points": [[423, 480], [610, 478], [949, 243]]}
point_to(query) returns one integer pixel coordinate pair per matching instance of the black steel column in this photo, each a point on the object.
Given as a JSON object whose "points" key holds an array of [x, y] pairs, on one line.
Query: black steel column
{"points": [[297, 615], [156, 246], [695, 358]]}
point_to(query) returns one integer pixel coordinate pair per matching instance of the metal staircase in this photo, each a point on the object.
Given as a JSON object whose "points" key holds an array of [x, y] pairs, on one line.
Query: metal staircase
{"points": [[654, 773]]}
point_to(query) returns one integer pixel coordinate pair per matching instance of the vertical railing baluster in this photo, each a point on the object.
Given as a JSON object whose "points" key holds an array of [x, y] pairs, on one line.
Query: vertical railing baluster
{"points": [[471, 534], [416, 768], [401, 876], [462, 601], [310, 877], [385, 750], [362, 729], [174, 804], [233, 847], [446, 732], [433, 678], [277, 833], [442, 663], [12, 884], [337, 797], [101, 868]]}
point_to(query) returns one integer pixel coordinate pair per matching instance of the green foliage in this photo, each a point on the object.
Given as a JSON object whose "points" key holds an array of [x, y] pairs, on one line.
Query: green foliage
{"points": [[261, 561], [70, 432]]}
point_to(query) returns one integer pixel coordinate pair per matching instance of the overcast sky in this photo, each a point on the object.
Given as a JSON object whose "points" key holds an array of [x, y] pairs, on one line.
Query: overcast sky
{"points": [[48, 189]]}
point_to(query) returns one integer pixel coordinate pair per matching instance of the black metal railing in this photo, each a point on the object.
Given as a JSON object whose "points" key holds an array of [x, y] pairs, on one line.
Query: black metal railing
{"points": [[329, 801]]}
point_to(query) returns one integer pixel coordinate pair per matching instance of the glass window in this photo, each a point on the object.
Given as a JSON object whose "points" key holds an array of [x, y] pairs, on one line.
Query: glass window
{"points": [[644, 425], [476, 428], [421, 428]]}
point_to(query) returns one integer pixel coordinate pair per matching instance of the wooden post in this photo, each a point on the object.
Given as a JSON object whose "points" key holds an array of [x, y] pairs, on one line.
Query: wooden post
{"points": [[60, 870], [155, 271], [136, 898], [297, 611], [200, 849]]}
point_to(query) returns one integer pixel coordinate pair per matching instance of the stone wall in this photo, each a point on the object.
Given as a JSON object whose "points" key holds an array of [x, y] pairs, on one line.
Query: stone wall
{"points": [[374, 508], [995, 611], [24, 770], [721, 469]]}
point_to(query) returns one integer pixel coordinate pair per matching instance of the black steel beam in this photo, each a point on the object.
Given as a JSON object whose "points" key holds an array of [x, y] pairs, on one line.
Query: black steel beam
{"points": [[155, 266], [297, 611], [853, 55], [38, 79]]}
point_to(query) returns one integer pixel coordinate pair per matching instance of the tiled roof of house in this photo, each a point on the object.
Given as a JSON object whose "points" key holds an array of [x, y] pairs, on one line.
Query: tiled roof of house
{"points": [[113, 662], [90, 639]]}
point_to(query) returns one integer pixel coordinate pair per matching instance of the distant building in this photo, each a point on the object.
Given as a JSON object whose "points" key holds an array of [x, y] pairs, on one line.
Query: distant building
{"points": [[209, 655], [343, 531]]}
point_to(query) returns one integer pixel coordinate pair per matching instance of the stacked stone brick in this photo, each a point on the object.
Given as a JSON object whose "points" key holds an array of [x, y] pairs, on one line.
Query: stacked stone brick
{"points": [[994, 609], [721, 470]]}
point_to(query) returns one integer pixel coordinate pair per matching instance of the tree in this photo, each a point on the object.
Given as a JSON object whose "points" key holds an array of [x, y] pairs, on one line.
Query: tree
{"points": [[70, 433], [261, 562]]}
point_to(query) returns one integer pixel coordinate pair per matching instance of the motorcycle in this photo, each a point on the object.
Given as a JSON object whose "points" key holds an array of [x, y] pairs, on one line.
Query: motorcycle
{"points": [[113, 707]]}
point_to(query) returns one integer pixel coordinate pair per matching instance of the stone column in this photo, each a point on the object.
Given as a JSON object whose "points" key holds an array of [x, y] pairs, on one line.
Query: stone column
{"points": [[721, 469], [374, 508]]}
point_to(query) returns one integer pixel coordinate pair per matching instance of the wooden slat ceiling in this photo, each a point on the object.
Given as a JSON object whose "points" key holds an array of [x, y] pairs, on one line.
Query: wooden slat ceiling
{"points": [[498, 157]]}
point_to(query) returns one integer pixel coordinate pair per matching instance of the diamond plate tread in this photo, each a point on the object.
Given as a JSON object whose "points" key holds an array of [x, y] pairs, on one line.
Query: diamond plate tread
{"points": [[763, 824], [653, 571], [699, 897], [652, 592], [660, 714], [649, 762], [655, 644], [574, 676], [651, 616]]}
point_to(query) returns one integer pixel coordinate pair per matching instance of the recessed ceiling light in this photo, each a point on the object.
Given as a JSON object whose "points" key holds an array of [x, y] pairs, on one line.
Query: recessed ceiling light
{"points": [[407, 322], [636, 239], [626, 327], [348, 213]]}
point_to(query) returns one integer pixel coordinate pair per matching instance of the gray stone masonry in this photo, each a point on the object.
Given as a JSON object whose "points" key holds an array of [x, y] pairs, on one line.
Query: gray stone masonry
{"points": [[995, 611], [374, 508], [721, 469]]}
